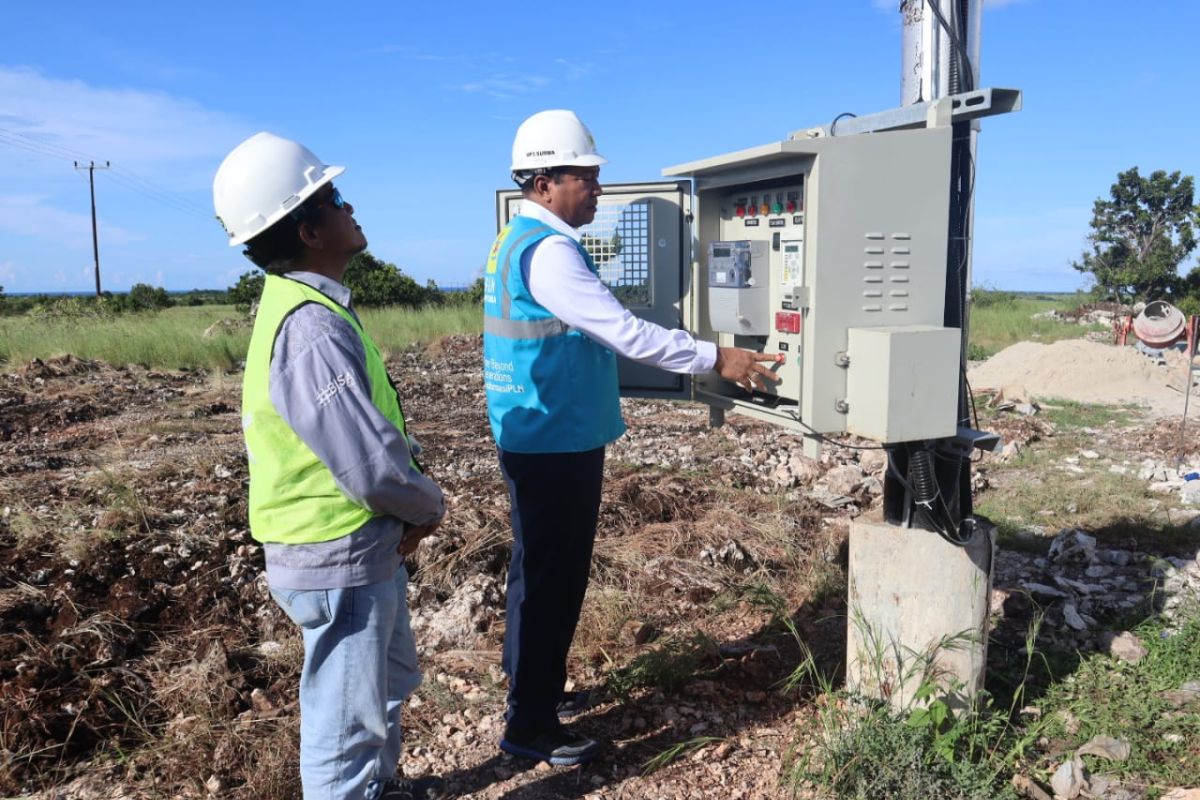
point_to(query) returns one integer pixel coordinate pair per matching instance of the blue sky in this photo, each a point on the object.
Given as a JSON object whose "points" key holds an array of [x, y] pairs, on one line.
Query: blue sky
{"points": [[420, 102]]}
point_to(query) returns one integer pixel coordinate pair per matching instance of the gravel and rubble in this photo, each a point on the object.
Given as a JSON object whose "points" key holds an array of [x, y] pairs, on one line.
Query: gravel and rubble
{"points": [[1078, 584], [133, 610]]}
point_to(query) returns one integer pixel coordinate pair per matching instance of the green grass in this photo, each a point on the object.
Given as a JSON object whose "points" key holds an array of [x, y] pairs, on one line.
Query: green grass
{"points": [[1001, 319], [1041, 489], [174, 338], [394, 329], [666, 667], [1128, 701], [867, 749], [1069, 414], [170, 339], [920, 748]]}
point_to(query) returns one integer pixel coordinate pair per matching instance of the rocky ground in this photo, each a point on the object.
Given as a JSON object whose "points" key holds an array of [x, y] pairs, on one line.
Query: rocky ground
{"points": [[140, 655]]}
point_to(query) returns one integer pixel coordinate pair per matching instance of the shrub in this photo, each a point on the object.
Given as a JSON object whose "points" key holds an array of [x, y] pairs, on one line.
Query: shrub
{"points": [[983, 297], [144, 297], [245, 293]]}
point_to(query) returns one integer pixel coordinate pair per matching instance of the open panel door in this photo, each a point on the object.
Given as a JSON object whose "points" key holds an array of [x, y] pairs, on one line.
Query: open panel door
{"points": [[641, 244]]}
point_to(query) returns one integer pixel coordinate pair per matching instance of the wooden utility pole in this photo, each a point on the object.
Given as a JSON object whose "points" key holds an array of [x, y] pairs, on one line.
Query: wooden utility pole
{"points": [[91, 168]]}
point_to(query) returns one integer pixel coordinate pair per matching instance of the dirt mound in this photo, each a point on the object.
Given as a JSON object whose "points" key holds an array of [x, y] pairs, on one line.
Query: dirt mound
{"points": [[1079, 370]]}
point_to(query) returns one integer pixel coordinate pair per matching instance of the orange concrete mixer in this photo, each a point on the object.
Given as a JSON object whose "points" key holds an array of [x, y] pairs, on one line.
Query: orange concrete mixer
{"points": [[1159, 325]]}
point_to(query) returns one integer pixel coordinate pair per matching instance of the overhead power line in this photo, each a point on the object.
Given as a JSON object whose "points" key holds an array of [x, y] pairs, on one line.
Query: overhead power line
{"points": [[124, 177]]}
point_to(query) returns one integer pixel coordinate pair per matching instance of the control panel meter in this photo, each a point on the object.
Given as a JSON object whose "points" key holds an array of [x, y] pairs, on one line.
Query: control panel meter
{"points": [[738, 287]]}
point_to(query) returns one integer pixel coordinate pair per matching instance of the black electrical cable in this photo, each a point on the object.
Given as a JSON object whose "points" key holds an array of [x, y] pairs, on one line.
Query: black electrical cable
{"points": [[823, 438], [924, 491], [842, 115], [965, 60]]}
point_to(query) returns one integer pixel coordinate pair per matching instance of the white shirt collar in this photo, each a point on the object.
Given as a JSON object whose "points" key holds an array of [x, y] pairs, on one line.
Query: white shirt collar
{"points": [[544, 215]]}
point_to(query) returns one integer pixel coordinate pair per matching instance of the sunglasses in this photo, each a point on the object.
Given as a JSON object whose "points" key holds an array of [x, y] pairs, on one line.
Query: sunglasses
{"points": [[335, 199]]}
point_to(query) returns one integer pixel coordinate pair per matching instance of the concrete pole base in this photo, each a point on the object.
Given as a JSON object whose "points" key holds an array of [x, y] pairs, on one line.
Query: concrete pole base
{"points": [[918, 613]]}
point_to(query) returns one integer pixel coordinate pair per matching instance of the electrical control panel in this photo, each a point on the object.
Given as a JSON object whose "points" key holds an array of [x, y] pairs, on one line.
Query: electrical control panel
{"points": [[800, 241]]}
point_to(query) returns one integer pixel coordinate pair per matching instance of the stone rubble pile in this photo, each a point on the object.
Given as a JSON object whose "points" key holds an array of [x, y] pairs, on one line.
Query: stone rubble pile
{"points": [[1080, 585], [1165, 477]]}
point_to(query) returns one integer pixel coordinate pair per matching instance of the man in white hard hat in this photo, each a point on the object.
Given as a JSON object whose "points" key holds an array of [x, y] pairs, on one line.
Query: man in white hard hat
{"points": [[336, 496], [551, 332]]}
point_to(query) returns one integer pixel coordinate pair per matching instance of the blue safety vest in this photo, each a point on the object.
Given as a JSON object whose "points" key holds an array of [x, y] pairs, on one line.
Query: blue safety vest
{"points": [[550, 389]]}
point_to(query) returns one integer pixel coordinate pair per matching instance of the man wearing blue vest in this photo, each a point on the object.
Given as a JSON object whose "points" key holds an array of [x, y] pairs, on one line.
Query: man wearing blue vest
{"points": [[336, 496], [551, 332]]}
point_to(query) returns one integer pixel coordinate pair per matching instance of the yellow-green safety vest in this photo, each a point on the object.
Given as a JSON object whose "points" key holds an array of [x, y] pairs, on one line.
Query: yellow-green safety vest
{"points": [[293, 496]]}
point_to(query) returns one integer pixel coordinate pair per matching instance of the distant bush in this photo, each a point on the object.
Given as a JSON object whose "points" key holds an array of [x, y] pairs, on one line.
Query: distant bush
{"points": [[144, 297], [247, 290], [202, 297], [471, 296], [1189, 306], [984, 298], [373, 282], [47, 307]]}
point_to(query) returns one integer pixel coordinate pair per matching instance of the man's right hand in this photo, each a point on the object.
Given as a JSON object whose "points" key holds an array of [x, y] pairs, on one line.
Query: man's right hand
{"points": [[743, 367], [413, 534]]}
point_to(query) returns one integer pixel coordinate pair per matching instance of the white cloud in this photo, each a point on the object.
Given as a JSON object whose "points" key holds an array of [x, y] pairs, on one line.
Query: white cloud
{"points": [[146, 132], [575, 70], [503, 85], [29, 215]]}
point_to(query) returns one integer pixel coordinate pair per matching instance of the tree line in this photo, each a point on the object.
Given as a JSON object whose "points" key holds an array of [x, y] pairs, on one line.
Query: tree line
{"points": [[372, 282]]}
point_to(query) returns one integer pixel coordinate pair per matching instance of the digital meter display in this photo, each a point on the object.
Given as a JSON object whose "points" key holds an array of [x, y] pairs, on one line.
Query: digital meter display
{"points": [[721, 252], [792, 248]]}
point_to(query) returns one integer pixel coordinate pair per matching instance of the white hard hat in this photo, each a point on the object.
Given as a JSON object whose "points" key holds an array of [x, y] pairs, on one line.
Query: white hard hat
{"points": [[554, 138], [261, 180]]}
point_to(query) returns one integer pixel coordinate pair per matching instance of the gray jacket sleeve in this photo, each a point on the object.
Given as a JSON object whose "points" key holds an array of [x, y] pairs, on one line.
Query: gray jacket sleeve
{"points": [[319, 385]]}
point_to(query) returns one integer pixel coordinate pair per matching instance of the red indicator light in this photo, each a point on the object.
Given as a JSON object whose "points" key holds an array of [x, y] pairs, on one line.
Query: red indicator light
{"points": [[791, 206], [740, 211], [787, 321], [751, 210]]}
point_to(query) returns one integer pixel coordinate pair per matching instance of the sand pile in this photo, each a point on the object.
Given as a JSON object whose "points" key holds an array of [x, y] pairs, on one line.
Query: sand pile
{"points": [[1083, 371]]}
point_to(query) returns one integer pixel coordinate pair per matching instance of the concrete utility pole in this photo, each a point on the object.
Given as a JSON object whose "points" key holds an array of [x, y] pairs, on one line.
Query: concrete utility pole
{"points": [[91, 168]]}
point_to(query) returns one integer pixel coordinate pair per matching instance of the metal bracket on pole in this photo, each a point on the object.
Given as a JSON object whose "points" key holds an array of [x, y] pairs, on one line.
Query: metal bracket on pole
{"points": [[963, 107]]}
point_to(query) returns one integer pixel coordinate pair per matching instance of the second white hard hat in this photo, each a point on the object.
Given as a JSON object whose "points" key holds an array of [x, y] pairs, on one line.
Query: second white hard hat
{"points": [[554, 138], [261, 180]]}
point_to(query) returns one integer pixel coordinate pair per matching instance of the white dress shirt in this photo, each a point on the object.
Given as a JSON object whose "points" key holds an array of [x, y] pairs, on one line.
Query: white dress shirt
{"points": [[559, 279]]}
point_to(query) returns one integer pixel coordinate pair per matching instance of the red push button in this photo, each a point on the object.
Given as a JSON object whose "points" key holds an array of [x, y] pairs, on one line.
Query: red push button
{"points": [[787, 321]]}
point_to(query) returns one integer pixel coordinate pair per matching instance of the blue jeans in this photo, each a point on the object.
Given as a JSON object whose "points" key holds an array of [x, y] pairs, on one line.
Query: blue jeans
{"points": [[360, 665]]}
